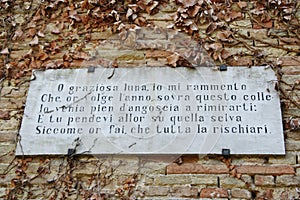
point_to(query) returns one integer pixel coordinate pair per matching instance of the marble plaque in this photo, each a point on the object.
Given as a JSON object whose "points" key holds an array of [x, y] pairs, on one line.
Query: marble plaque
{"points": [[152, 111]]}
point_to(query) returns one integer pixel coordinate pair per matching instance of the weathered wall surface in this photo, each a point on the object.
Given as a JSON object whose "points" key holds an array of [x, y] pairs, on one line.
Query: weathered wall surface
{"points": [[64, 34]]}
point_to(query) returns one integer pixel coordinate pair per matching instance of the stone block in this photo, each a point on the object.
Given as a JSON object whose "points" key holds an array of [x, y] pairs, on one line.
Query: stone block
{"points": [[151, 167], [172, 179], [261, 180], [192, 168], [157, 191], [290, 70], [184, 191], [10, 104], [13, 92], [292, 145], [288, 180], [3, 191], [247, 160], [227, 181], [288, 158], [204, 179], [8, 136], [240, 193], [293, 135]]}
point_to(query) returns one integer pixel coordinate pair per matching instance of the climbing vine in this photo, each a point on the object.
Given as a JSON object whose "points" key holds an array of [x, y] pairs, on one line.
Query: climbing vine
{"points": [[59, 34]]}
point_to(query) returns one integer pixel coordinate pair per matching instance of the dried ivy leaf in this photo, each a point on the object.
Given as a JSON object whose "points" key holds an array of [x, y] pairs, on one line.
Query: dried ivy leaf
{"points": [[242, 4], [73, 15], [211, 28], [84, 4], [34, 41], [17, 34], [193, 11], [55, 30], [188, 3], [129, 13], [151, 7], [225, 36], [172, 59], [5, 51], [4, 115], [141, 21], [32, 32]]}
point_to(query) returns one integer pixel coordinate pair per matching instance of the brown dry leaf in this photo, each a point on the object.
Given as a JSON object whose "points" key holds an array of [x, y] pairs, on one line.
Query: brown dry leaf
{"points": [[55, 30], [66, 64], [216, 56], [85, 4], [142, 4], [40, 33], [229, 15], [34, 41], [85, 19], [5, 51], [37, 16], [54, 47], [73, 15], [126, 187], [32, 32], [172, 59], [141, 21], [151, 7], [4, 115], [119, 191], [28, 54], [194, 27], [188, 3], [33, 64], [225, 36], [49, 65], [225, 54], [129, 13], [134, 7], [234, 15], [211, 28], [259, 53], [242, 4], [42, 56], [214, 46], [17, 34], [81, 56], [193, 11]]}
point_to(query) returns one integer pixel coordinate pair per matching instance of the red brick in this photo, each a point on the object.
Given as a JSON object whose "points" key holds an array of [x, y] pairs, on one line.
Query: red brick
{"points": [[213, 193], [265, 170], [190, 168], [261, 180]]}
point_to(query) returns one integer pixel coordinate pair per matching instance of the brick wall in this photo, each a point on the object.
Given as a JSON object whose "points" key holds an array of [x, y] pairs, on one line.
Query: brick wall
{"points": [[69, 42]]}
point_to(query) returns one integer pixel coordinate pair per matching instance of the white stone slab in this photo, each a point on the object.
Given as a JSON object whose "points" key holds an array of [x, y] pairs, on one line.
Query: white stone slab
{"points": [[152, 111]]}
